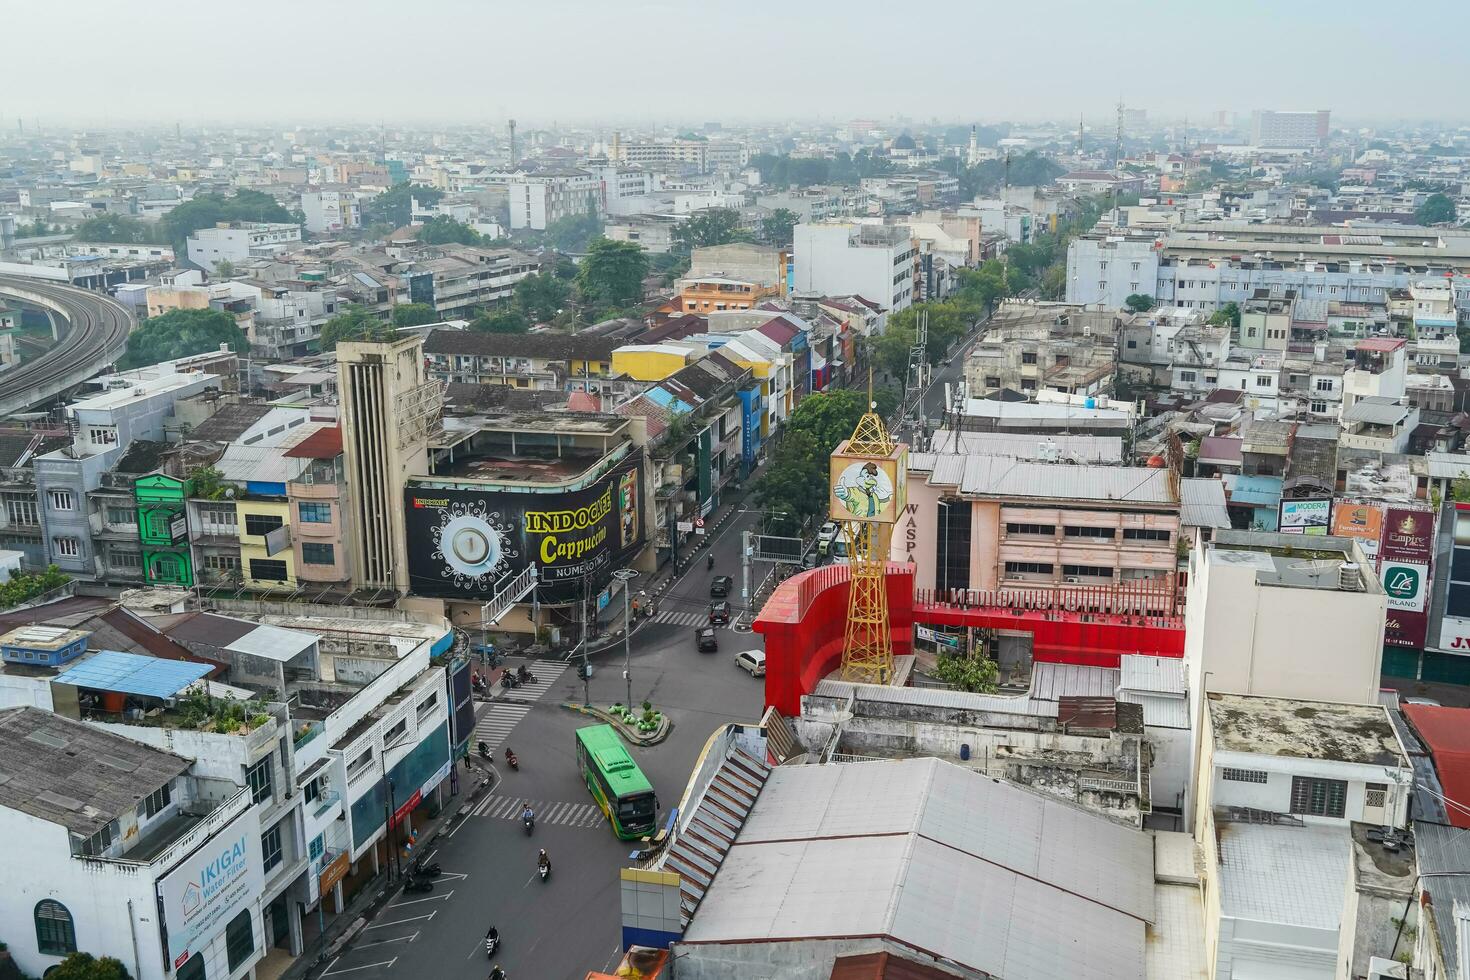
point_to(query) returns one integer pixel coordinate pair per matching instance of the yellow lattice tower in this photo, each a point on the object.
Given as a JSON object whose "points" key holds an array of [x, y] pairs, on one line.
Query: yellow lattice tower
{"points": [[868, 473]]}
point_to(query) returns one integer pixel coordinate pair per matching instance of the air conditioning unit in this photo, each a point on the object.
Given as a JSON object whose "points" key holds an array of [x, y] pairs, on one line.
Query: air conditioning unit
{"points": [[1072, 579]]}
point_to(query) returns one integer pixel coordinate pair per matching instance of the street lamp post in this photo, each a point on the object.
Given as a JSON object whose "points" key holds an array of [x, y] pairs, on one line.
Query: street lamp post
{"points": [[389, 805], [626, 575]]}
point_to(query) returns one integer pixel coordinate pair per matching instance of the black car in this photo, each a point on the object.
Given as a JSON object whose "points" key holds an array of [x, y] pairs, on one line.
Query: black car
{"points": [[719, 613], [704, 640], [721, 586]]}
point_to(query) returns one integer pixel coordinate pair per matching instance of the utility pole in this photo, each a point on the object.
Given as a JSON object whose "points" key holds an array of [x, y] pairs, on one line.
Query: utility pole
{"points": [[626, 576], [586, 670], [745, 570]]}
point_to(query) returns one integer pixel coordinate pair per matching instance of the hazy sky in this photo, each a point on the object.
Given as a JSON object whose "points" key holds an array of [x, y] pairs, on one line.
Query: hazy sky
{"points": [[478, 61]]}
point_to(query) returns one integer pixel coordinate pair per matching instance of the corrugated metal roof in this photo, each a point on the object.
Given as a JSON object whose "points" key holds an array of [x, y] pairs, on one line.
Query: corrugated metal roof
{"points": [[1443, 855], [1159, 710], [990, 875], [1259, 491], [1160, 675], [1052, 681], [1202, 503], [1376, 411], [273, 643], [1001, 476], [129, 673], [939, 698], [1448, 466], [252, 464]]}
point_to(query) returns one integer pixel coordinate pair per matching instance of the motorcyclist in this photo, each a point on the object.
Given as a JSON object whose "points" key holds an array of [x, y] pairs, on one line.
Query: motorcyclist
{"points": [[709, 561], [492, 939], [523, 674], [510, 757], [497, 973], [528, 814], [484, 750], [543, 860]]}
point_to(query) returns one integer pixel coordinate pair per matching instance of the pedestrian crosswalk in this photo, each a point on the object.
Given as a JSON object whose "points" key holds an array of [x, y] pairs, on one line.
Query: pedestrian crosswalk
{"points": [[503, 714], [680, 617], [547, 811]]}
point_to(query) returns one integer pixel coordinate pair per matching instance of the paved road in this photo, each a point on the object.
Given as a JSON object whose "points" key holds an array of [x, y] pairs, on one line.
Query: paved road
{"points": [[569, 924]]}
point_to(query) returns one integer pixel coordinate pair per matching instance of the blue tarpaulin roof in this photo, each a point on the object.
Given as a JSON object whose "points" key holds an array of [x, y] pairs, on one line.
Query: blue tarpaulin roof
{"points": [[129, 673], [1256, 491]]}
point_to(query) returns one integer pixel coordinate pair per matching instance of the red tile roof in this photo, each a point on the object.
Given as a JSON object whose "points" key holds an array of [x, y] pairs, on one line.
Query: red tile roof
{"points": [[1380, 343], [1446, 731], [778, 330], [324, 443], [582, 401]]}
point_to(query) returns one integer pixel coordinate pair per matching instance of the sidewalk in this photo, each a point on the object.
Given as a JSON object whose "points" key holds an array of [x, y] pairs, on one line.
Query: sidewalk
{"points": [[377, 893]]}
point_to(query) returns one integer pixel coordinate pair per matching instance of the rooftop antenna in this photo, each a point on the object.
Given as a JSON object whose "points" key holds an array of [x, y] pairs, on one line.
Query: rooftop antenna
{"points": [[1118, 160], [512, 144]]}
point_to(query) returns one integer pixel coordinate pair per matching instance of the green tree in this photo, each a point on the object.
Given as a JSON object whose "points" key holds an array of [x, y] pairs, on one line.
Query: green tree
{"points": [[501, 321], [796, 480], [85, 966], [1227, 315], [207, 210], [25, 586], [395, 205], [668, 266], [353, 323], [612, 273], [1437, 209], [977, 675], [414, 315], [542, 296], [444, 230], [1139, 302], [116, 228], [710, 226], [573, 233], [209, 483], [777, 227], [179, 333], [891, 350], [224, 268]]}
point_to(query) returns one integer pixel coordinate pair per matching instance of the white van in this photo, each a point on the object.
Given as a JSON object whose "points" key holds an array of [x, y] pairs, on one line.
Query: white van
{"points": [[753, 661]]}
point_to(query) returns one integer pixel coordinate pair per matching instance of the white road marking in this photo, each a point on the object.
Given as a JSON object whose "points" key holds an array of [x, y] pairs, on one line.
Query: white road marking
{"points": [[399, 922], [352, 969]]}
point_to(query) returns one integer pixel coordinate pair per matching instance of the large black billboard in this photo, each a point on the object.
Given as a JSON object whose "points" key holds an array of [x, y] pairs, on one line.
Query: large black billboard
{"points": [[465, 544]]}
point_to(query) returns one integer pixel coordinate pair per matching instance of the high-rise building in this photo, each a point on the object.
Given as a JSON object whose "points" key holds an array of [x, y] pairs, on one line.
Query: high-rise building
{"points": [[1271, 128], [388, 410]]}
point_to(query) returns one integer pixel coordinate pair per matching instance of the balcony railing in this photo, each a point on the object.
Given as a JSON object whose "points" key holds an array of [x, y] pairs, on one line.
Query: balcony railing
{"points": [[324, 802]]}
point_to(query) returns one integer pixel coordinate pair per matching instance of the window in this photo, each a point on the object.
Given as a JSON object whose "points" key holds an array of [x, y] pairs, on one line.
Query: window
{"points": [[102, 436], [315, 513], [222, 563], [1088, 532], [239, 940], [1243, 775], [1028, 357], [270, 848], [1324, 384], [1375, 795], [268, 569], [1132, 345], [1318, 797], [156, 801], [121, 515], [192, 970], [317, 847], [21, 511], [1086, 571], [396, 732], [1145, 534], [125, 559], [316, 553], [1186, 376], [62, 500], [218, 520], [258, 778], [1319, 408], [360, 765], [953, 546], [1027, 568], [1048, 530], [99, 842], [426, 706], [1263, 381], [261, 524], [68, 547], [56, 934]]}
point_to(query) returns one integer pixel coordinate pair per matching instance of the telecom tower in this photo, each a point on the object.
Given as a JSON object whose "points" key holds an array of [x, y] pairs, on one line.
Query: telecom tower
{"points": [[868, 495], [513, 156]]}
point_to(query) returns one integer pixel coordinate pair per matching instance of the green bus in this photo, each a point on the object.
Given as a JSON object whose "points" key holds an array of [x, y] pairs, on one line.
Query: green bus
{"points": [[615, 782]]}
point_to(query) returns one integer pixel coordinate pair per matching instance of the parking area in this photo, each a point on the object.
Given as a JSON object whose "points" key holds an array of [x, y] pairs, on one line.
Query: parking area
{"points": [[377, 948]]}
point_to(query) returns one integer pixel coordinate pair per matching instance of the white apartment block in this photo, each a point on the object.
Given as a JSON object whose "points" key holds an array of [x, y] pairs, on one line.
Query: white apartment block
{"points": [[1109, 270], [876, 262], [537, 200], [241, 240], [330, 211], [1290, 130]]}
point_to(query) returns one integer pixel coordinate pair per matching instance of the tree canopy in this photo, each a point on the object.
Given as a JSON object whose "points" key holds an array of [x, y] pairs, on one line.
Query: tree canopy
{"points": [[977, 675], [395, 205], [611, 275], [710, 226], [179, 333], [572, 233], [85, 966], [777, 227], [444, 230], [542, 296], [1227, 315], [353, 323], [796, 481], [207, 210], [117, 228], [1436, 209], [414, 315], [1139, 302], [1026, 170], [782, 170], [501, 321]]}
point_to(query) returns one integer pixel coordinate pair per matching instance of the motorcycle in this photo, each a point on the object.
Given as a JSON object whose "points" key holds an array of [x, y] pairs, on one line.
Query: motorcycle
{"points": [[418, 885], [529, 822], [492, 942], [709, 562], [509, 680], [427, 870], [524, 676], [497, 974], [512, 761], [543, 865], [484, 751], [544, 870]]}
